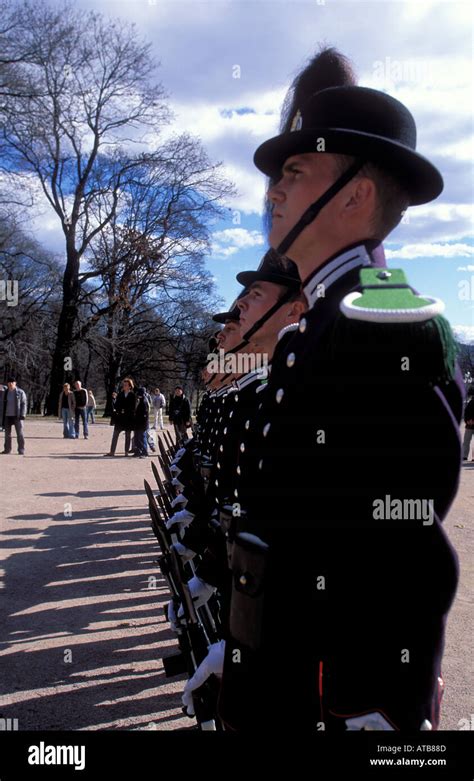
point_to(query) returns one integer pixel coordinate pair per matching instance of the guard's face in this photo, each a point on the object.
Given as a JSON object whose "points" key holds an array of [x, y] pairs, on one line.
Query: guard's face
{"points": [[11, 385], [229, 337], [260, 297], [304, 179]]}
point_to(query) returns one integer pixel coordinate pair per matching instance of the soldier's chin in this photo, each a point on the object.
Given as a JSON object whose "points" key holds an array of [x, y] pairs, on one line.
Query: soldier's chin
{"points": [[275, 236]]}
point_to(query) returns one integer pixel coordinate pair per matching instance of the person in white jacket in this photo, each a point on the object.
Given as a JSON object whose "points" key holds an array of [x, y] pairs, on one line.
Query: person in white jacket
{"points": [[159, 404]]}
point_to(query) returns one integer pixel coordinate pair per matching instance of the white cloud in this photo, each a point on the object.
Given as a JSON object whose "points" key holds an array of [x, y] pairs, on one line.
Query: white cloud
{"points": [[229, 241], [465, 333], [430, 251], [465, 268], [437, 222], [240, 237], [250, 186]]}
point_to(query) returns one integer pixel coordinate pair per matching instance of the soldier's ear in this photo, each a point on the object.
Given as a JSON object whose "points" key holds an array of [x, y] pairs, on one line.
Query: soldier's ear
{"points": [[361, 196], [296, 310]]}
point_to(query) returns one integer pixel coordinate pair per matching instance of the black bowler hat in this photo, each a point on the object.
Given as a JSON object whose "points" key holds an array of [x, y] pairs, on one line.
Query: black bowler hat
{"points": [[273, 268], [361, 122], [224, 317], [233, 314]]}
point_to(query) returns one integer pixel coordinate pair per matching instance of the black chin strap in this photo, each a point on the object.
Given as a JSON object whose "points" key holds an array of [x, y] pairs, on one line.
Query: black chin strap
{"points": [[256, 326], [312, 211]]}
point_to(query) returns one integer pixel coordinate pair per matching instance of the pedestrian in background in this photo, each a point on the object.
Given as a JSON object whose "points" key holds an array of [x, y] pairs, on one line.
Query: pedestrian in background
{"points": [[80, 412], [141, 420], [3, 389], [13, 413], [180, 412], [66, 411], [469, 422], [159, 405], [123, 416], [91, 406]]}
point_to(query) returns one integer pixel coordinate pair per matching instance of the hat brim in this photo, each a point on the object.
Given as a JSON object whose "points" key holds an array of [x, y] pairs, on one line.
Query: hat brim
{"points": [[420, 178], [249, 277], [225, 317]]}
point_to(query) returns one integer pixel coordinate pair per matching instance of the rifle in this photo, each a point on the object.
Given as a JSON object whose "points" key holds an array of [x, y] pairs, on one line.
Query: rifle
{"points": [[195, 634]]}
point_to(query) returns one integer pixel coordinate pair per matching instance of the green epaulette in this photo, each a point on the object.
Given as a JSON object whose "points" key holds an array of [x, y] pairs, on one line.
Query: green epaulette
{"points": [[387, 309], [387, 297]]}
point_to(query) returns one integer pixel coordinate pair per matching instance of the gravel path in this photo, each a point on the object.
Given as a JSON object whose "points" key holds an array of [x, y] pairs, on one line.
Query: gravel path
{"points": [[83, 632], [82, 613]]}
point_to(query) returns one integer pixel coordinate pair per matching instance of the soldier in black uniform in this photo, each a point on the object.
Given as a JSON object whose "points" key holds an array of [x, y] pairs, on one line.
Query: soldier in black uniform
{"points": [[344, 579], [271, 301]]}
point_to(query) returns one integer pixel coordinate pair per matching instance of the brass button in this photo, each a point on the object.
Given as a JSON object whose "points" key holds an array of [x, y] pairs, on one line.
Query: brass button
{"points": [[303, 324], [290, 360], [279, 395], [266, 429]]}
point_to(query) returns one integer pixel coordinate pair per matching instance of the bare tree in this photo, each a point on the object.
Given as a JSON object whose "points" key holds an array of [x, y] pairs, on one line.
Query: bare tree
{"points": [[90, 93], [29, 309]]}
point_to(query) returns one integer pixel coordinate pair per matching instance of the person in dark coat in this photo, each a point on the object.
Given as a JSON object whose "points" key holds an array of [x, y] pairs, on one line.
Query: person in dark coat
{"points": [[179, 412], [344, 578], [469, 423], [123, 415], [3, 390], [141, 420], [81, 399]]}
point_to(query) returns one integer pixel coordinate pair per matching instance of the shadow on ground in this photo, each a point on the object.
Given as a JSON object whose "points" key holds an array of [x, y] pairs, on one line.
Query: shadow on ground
{"points": [[83, 625]]}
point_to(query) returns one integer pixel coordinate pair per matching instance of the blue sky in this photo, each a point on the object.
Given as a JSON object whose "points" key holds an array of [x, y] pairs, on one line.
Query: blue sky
{"points": [[227, 64]]}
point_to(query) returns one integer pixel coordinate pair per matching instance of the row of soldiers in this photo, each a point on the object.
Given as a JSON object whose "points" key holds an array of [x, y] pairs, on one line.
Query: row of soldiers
{"points": [[310, 500]]}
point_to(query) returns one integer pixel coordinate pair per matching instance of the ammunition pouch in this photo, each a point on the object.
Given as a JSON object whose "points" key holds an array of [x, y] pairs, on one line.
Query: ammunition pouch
{"points": [[231, 525], [205, 469], [249, 562]]}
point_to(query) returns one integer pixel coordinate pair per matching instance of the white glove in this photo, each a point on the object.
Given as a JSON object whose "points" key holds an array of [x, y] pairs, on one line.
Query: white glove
{"points": [[186, 553], [370, 721], [179, 454], [172, 617], [213, 664], [175, 470], [183, 518], [179, 501], [177, 483], [200, 592]]}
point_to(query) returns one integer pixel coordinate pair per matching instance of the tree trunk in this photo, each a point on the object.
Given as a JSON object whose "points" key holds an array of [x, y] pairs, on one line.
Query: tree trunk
{"points": [[85, 381], [63, 370], [111, 379]]}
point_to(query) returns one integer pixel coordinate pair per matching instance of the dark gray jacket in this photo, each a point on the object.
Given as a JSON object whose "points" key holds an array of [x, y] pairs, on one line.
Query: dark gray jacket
{"points": [[20, 403]]}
